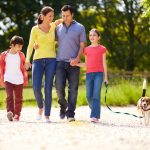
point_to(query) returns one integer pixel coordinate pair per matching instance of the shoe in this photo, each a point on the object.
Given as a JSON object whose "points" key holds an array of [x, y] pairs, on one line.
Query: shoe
{"points": [[16, 118], [38, 117], [94, 120], [71, 119], [62, 114], [10, 116], [47, 121]]}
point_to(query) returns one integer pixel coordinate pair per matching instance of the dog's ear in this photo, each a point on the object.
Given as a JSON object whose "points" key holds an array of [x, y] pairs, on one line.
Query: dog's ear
{"points": [[139, 103], [139, 106], [148, 100]]}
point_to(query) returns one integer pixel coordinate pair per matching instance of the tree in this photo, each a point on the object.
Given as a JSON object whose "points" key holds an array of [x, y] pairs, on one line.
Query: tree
{"points": [[18, 17], [125, 32], [146, 4]]}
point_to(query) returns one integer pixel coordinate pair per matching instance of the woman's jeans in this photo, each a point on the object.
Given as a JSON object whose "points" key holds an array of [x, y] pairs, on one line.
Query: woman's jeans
{"points": [[46, 67], [93, 92]]}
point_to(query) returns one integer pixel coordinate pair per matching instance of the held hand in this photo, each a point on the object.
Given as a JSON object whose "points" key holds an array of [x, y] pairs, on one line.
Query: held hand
{"points": [[27, 65], [74, 61], [81, 64], [106, 82], [36, 46]]}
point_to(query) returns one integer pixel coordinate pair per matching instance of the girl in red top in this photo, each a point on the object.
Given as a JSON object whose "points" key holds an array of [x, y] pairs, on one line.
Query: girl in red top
{"points": [[13, 76], [95, 56]]}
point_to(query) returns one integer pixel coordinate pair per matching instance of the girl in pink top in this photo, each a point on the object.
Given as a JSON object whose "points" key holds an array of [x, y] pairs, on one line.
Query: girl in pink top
{"points": [[95, 56]]}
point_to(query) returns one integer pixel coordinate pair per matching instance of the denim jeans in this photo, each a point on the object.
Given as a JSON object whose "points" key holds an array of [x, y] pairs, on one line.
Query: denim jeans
{"points": [[65, 72], [93, 92], [43, 67]]}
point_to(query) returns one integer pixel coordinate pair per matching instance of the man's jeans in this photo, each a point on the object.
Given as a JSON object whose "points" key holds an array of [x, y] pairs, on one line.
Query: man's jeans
{"points": [[71, 73], [93, 91], [46, 67]]}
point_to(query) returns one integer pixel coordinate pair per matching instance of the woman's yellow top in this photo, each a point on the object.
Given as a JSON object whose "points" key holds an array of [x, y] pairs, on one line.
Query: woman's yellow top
{"points": [[45, 41]]}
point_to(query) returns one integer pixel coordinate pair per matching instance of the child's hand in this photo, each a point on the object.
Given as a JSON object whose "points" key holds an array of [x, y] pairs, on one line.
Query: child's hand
{"points": [[81, 65], [27, 65], [74, 61], [36, 46]]}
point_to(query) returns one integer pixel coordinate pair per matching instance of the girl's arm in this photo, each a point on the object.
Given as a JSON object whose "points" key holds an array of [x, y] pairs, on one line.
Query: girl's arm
{"points": [[105, 68], [81, 64]]}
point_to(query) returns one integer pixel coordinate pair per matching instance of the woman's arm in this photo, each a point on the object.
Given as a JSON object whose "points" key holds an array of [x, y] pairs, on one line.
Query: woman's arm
{"points": [[31, 44], [58, 21], [30, 48]]}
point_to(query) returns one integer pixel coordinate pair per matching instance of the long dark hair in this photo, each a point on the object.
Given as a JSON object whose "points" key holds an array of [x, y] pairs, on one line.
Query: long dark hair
{"points": [[44, 11]]}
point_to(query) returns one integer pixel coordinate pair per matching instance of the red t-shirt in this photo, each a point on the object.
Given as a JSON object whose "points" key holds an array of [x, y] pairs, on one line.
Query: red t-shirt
{"points": [[94, 58]]}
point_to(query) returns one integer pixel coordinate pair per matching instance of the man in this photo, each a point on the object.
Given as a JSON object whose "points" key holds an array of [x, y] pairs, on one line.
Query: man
{"points": [[71, 38]]}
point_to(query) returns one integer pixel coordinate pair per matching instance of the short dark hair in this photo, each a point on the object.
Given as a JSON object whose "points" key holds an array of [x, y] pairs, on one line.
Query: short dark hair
{"points": [[96, 31], [16, 40], [66, 8], [44, 11]]}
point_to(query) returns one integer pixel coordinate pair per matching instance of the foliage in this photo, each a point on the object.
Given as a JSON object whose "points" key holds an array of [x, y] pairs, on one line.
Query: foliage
{"points": [[121, 92], [124, 30], [146, 4]]}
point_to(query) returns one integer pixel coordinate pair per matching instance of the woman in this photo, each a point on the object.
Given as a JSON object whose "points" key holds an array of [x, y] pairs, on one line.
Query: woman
{"points": [[44, 59]]}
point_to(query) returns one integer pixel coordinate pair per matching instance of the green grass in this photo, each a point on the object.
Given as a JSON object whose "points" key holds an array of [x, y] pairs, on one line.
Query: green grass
{"points": [[120, 93]]}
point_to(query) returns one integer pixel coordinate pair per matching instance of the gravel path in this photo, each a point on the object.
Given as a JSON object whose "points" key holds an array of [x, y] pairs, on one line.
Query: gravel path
{"points": [[115, 132]]}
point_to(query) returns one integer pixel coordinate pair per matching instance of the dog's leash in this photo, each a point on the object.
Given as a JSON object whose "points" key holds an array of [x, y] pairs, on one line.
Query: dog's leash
{"points": [[117, 112]]}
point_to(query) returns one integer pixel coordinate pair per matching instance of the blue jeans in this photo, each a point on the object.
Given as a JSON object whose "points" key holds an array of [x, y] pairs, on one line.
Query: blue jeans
{"points": [[71, 73], [93, 92], [43, 67]]}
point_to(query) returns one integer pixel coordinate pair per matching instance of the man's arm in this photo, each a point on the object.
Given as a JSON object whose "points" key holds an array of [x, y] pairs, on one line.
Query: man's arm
{"points": [[74, 61]]}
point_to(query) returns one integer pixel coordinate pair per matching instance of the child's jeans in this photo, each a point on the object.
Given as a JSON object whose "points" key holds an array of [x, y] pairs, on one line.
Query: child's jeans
{"points": [[45, 67], [14, 97], [93, 92]]}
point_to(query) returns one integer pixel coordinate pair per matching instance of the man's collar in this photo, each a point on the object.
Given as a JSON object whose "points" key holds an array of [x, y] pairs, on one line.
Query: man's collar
{"points": [[73, 22]]}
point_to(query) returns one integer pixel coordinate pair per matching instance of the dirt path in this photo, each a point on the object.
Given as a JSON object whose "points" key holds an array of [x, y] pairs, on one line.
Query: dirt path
{"points": [[115, 132]]}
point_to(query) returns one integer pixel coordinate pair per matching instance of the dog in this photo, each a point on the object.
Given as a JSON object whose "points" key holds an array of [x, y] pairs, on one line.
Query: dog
{"points": [[143, 107]]}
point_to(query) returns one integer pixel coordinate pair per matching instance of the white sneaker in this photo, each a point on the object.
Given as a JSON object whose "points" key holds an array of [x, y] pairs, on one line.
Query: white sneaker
{"points": [[38, 117], [95, 120], [47, 121]]}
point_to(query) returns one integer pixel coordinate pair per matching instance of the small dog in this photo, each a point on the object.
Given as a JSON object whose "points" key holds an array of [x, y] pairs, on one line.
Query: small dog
{"points": [[143, 107]]}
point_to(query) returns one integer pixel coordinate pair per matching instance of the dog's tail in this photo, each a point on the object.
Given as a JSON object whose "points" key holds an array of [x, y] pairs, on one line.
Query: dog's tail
{"points": [[144, 88]]}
